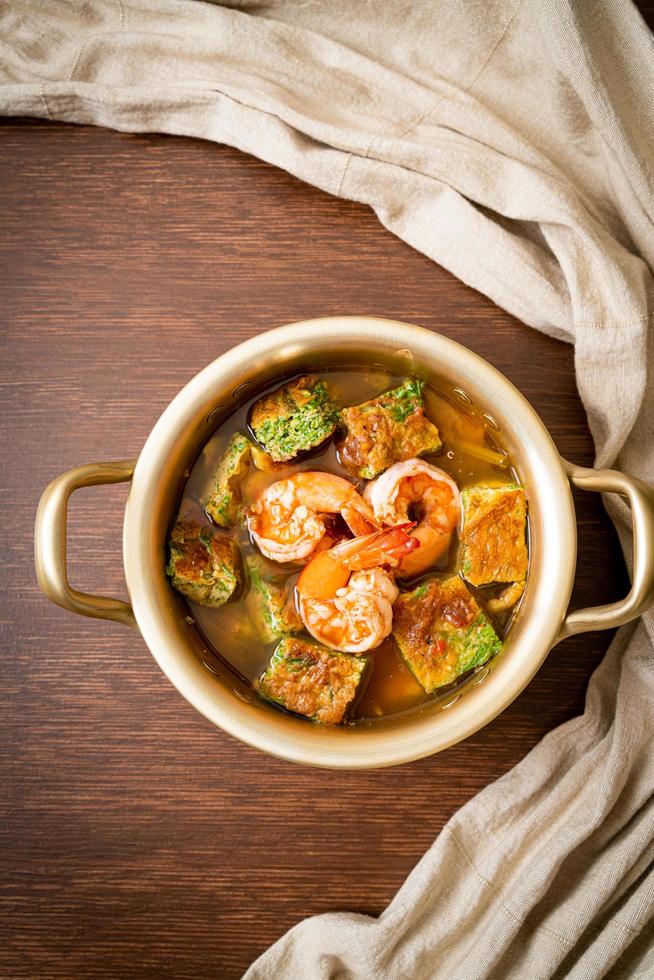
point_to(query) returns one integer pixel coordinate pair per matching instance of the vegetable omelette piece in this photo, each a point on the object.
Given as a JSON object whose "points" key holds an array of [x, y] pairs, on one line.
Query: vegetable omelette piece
{"points": [[224, 505], [310, 680], [203, 564], [275, 610], [386, 430], [442, 632], [493, 544], [298, 416], [224, 502]]}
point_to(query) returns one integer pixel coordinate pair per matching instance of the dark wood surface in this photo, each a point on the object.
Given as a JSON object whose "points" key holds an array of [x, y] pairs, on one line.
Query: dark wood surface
{"points": [[138, 840]]}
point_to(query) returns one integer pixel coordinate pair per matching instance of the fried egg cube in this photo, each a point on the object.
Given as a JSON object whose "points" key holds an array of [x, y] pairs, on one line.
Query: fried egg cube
{"points": [[493, 535], [203, 563], [295, 418], [308, 679], [273, 608], [442, 632], [386, 430]]}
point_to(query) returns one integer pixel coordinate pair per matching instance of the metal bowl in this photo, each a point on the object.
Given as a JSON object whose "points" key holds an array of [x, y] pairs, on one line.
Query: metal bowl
{"points": [[157, 478]]}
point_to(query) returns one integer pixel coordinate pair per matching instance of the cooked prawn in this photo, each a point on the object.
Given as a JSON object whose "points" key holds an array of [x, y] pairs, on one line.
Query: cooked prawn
{"points": [[285, 519], [346, 594], [434, 496]]}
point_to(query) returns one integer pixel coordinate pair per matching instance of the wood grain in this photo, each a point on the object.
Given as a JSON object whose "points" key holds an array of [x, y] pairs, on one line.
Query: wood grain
{"points": [[138, 840]]}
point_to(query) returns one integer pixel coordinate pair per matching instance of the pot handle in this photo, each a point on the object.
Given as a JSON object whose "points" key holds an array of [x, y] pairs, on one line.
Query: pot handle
{"points": [[641, 595], [50, 541]]}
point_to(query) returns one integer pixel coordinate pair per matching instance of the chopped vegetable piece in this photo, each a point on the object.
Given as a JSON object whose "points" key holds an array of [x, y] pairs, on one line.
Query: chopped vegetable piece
{"points": [[493, 545], [454, 424], [386, 430], [461, 430], [295, 418], [506, 599], [482, 452], [442, 632], [261, 459], [203, 564], [274, 610], [311, 680]]}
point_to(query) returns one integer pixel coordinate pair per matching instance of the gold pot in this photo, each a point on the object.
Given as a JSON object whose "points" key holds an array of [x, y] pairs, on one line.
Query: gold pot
{"points": [[157, 478]]}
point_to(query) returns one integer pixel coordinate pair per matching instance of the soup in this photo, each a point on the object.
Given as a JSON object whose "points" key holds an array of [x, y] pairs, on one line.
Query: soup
{"points": [[387, 607]]}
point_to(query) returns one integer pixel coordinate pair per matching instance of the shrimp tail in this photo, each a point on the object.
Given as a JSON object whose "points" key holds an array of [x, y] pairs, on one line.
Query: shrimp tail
{"points": [[330, 570], [381, 548], [359, 517]]}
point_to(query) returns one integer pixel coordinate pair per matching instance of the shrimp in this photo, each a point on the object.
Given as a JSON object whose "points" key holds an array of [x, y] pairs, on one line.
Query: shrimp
{"points": [[346, 594], [434, 496], [285, 521]]}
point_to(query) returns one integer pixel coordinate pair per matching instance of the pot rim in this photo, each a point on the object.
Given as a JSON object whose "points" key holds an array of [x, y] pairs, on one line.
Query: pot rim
{"points": [[354, 748]]}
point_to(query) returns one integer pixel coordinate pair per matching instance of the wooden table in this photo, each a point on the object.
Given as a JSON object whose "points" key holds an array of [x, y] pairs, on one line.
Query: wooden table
{"points": [[138, 840]]}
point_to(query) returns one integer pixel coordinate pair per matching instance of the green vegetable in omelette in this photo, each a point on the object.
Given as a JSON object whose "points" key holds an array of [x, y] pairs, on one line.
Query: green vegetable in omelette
{"points": [[224, 504], [308, 679], [387, 430], [203, 563], [442, 632], [493, 540], [295, 418], [274, 609]]}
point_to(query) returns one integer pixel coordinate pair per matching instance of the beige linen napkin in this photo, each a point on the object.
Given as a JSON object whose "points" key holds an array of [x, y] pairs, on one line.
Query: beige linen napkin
{"points": [[511, 141]]}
